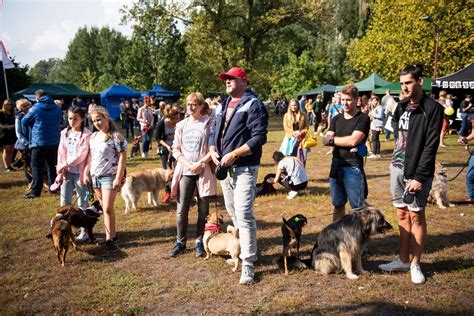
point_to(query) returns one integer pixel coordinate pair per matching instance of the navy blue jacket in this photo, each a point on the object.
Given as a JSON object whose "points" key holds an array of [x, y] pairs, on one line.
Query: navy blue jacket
{"points": [[44, 119], [247, 125]]}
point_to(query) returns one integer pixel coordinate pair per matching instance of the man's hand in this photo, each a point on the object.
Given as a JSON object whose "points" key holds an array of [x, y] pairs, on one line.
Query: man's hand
{"points": [[413, 186], [215, 157], [328, 140], [463, 141], [227, 160]]}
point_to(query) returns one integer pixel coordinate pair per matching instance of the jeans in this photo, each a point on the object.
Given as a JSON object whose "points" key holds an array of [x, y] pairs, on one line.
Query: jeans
{"points": [[146, 141], [239, 189], [71, 181], [41, 156], [375, 142], [352, 188], [464, 124], [187, 186], [470, 179], [128, 124]]}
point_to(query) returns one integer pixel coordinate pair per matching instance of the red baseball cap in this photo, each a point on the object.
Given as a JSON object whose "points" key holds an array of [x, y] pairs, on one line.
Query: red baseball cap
{"points": [[234, 72]]}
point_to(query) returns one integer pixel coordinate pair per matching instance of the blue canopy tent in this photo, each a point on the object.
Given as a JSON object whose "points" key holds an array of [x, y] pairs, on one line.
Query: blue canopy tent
{"points": [[110, 98], [161, 93]]}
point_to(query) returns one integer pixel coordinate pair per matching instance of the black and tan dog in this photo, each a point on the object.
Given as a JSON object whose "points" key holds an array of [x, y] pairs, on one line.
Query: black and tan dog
{"points": [[341, 243], [291, 231], [82, 218], [61, 233]]}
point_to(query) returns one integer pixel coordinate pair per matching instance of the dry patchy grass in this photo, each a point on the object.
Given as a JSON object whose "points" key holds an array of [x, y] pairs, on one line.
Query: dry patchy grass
{"points": [[142, 279]]}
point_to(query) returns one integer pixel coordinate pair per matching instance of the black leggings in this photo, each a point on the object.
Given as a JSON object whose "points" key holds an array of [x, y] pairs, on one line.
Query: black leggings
{"points": [[375, 142]]}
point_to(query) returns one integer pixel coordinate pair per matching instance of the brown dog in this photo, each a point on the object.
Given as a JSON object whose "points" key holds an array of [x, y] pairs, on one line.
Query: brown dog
{"points": [[220, 243], [61, 232]]}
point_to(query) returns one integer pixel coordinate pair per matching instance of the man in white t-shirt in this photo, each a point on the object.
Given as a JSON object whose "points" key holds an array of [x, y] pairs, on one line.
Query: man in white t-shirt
{"points": [[290, 173]]}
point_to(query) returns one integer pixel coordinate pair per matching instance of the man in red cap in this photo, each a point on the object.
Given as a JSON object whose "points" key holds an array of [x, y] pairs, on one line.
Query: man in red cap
{"points": [[236, 144]]}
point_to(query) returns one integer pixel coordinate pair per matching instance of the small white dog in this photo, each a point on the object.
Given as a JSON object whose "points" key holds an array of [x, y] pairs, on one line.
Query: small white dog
{"points": [[150, 181]]}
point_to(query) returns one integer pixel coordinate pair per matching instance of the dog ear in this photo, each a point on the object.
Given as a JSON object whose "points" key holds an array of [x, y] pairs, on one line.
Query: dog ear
{"points": [[63, 209]]}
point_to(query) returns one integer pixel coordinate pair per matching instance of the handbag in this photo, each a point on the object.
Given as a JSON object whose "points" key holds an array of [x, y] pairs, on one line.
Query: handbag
{"points": [[309, 141], [288, 145]]}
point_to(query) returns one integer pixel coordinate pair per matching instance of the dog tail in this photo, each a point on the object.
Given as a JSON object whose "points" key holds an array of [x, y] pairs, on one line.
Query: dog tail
{"points": [[232, 230]]}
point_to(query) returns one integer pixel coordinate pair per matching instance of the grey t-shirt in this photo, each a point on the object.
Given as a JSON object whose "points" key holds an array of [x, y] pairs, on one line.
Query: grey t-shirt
{"points": [[193, 140]]}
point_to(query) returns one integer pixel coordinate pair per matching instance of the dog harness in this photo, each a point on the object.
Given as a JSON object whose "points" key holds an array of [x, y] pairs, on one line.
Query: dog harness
{"points": [[214, 228]]}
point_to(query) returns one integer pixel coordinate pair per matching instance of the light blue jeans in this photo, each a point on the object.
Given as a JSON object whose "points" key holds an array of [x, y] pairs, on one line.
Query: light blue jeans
{"points": [[352, 188], [71, 181], [239, 194], [470, 179]]}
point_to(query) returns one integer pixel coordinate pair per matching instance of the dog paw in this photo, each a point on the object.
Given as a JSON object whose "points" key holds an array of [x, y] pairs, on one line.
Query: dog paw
{"points": [[352, 276], [364, 272], [451, 205]]}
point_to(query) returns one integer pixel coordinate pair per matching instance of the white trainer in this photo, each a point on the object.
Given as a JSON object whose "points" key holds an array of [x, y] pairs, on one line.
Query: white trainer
{"points": [[83, 235], [417, 276], [247, 275], [395, 265], [291, 195]]}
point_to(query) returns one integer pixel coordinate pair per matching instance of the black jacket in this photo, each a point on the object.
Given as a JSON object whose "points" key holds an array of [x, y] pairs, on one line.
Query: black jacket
{"points": [[423, 137]]}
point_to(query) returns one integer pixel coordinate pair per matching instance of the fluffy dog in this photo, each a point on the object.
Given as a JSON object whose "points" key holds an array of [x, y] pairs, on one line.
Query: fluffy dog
{"points": [[341, 243], [135, 146], [151, 181], [219, 243], [291, 231], [439, 188], [62, 235]]}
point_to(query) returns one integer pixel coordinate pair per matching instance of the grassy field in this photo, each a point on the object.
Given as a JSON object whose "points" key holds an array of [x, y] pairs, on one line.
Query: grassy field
{"points": [[141, 279]]}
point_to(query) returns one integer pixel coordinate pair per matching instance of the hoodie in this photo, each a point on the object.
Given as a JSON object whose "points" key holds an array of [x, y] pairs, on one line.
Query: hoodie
{"points": [[44, 120]]}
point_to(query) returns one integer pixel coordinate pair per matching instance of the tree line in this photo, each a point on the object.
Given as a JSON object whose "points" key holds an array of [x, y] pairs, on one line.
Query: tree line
{"points": [[286, 46]]}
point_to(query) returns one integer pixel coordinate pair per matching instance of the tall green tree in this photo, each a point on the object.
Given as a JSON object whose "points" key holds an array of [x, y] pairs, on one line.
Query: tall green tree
{"points": [[93, 56], [397, 35], [43, 69]]}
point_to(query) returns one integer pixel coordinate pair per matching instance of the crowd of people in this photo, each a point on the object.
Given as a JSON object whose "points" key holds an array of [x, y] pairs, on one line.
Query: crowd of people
{"points": [[83, 151]]}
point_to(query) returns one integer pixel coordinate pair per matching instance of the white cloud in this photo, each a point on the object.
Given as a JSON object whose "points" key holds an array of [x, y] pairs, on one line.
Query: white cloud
{"points": [[55, 38]]}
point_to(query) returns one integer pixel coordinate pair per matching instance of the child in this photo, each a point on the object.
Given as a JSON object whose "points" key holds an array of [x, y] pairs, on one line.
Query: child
{"points": [[290, 173], [106, 164], [72, 158]]}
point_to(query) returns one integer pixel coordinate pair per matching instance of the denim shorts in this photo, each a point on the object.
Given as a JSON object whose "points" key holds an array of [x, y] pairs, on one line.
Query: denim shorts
{"points": [[352, 188], [103, 182], [397, 187]]}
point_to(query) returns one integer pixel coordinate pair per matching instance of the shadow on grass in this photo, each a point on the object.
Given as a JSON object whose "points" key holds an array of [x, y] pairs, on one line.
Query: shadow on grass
{"points": [[382, 308], [373, 176], [12, 183]]}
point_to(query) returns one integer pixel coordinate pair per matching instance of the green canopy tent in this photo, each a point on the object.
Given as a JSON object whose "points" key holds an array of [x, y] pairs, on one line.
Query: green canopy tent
{"points": [[396, 89], [55, 90], [327, 88], [370, 83]]}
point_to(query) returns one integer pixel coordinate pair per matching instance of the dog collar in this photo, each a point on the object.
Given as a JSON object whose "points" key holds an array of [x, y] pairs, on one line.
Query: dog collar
{"points": [[212, 227]]}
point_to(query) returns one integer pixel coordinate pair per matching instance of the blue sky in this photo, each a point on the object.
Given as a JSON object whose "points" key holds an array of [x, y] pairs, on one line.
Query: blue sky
{"points": [[40, 29]]}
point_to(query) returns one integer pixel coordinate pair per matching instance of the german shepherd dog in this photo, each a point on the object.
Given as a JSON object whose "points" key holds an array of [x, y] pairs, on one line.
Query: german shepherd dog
{"points": [[291, 231], [439, 188], [341, 243], [61, 233]]}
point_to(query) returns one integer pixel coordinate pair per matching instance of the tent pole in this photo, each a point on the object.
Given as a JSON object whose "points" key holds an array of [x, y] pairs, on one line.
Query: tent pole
{"points": [[5, 78]]}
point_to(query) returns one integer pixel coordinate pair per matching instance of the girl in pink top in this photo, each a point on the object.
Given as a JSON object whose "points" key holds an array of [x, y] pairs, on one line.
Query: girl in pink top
{"points": [[72, 157]]}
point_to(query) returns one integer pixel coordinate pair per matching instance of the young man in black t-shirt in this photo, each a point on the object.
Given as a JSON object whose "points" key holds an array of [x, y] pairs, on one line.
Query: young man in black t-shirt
{"points": [[347, 133]]}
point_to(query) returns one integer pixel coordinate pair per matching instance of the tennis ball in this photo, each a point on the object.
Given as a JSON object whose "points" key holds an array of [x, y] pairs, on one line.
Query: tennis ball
{"points": [[449, 111]]}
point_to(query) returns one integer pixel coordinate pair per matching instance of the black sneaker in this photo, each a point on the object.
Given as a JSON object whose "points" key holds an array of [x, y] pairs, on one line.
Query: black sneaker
{"points": [[111, 246], [199, 249], [177, 249], [30, 196]]}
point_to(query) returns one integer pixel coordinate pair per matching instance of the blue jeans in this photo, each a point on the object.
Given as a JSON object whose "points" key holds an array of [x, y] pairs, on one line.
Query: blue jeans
{"points": [[146, 141], [41, 156], [352, 188], [239, 194], [71, 181], [464, 124], [470, 179]]}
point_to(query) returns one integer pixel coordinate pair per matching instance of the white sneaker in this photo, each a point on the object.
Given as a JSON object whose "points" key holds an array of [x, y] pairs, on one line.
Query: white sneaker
{"points": [[417, 276], [83, 235], [395, 265], [143, 155], [291, 195], [372, 156], [247, 275]]}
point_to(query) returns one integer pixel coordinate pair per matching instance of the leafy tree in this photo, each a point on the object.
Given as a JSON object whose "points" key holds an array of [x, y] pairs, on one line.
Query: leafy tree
{"points": [[397, 35], [17, 79], [91, 61], [42, 70]]}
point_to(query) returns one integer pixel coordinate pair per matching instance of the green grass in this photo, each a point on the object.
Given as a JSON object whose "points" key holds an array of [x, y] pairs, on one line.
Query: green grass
{"points": [[141, 279]]}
